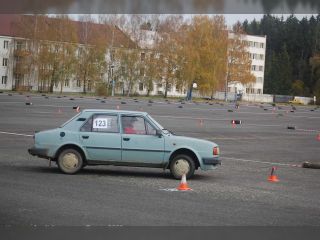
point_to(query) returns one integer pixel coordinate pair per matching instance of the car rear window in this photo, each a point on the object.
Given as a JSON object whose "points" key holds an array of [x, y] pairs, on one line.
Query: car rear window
{"points": [[101, 123]]}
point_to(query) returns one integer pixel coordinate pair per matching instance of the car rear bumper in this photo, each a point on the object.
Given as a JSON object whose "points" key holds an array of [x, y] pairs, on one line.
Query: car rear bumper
{"points": [[39, 152], [211, 161]]}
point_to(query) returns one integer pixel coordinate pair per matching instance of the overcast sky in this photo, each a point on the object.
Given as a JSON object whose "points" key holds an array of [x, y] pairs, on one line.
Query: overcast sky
{"points": [[231, 18]]}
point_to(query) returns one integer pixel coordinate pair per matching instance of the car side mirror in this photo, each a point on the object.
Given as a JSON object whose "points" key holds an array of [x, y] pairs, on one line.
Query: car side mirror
{"points": [[158, 133]]}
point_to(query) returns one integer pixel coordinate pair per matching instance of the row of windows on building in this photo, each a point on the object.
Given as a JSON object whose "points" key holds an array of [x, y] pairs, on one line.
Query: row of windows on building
{"points": [[256, 56], [160, 88], [253, 67], [255, 44], [80, 51], [248, 90], [257, 68], [66, 83], [253, 90]]}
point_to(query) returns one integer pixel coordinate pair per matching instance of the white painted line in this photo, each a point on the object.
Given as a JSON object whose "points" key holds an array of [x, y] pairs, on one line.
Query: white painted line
{"points": [[43, 112], [262, 125], [169, 189], [190, 118], [304, 117], [17, 134], [263, 162], [307, 130], [38, 105], [233, 138], [10, 102], [55, 106]]}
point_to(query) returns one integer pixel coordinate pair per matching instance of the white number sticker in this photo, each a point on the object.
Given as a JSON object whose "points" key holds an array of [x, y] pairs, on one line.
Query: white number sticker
{"points": [[102, 123]]}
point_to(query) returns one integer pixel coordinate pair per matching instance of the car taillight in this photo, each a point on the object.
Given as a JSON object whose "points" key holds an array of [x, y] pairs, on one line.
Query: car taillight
{"points": [[216, 151]]}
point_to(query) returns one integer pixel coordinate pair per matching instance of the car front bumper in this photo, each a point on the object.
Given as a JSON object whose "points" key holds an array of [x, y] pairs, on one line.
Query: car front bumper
{"points": [[39, 152]]}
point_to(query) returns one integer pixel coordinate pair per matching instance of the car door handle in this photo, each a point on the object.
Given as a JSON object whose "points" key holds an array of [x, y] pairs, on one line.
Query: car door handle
{"points": [[126, 139], [85, 137]]}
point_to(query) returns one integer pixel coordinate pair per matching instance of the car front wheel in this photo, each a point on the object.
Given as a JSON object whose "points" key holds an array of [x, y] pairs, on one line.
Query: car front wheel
{"points": [[70, 161], [182, 164]]}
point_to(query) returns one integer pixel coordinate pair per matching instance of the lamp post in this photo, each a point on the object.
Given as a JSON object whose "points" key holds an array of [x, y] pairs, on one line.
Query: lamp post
{"points": [[113, 83]]}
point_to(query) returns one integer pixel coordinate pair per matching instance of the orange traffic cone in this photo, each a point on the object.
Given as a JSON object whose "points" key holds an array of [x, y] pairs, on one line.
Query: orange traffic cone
{"points": [[273, 177], [318, 137], [78, 109], [183, 184], [233, 123]]}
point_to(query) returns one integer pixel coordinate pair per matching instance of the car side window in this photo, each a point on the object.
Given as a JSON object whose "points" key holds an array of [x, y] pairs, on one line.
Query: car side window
{"points": [[101, 123], [87, 127], [133, 125], [150, 129], [105, 123]]}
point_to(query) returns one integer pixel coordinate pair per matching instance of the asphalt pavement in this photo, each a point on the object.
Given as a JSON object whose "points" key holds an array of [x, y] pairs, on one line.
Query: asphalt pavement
{"points": [[235, 194]]}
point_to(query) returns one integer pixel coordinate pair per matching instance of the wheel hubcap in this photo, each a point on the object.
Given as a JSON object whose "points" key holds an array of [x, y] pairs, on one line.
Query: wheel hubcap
{"points": [[70, 161], [181, 167]]}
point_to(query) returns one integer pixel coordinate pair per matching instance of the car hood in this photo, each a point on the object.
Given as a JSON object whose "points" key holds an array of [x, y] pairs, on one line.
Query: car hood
{"points": [[190, 140]]}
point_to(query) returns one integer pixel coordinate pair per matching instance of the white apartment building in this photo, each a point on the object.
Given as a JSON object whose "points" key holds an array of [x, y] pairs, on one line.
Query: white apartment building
{"points": [[256, 46], [6, 68], [147, 42]]}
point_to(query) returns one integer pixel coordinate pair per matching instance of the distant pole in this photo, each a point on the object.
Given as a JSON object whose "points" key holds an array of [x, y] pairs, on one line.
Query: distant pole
{"points": [[112, 93], [226, 91], [226, 85], [112, 60]]}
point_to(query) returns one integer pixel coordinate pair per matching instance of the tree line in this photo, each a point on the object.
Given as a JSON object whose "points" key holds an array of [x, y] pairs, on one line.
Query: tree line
{"points": [[117, 48], [292, 54]]}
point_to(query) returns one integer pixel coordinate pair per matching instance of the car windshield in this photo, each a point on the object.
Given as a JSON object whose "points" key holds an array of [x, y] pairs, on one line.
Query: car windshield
{"points": [[70, 120], [164, 130], [155, 122]]}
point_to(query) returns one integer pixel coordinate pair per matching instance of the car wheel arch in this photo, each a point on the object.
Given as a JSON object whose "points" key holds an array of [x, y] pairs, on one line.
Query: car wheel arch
{"points": [[72, 146], [184, 151]]}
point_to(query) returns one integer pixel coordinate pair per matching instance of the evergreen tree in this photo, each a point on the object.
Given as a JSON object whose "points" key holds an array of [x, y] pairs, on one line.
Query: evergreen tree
{"points": [[290, 45]]}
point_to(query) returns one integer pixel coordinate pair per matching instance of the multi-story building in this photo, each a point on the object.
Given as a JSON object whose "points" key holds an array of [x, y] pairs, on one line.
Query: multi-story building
{"points": [[13, 76], [6, 68], [256, 47], [18, 71]]}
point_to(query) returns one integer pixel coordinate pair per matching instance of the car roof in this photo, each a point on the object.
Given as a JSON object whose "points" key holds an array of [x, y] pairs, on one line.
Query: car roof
{"points": [[113, 111]]}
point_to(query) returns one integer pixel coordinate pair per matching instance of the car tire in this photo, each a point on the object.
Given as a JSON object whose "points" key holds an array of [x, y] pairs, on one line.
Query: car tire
{"points": [[182, 164], [70, 161]]}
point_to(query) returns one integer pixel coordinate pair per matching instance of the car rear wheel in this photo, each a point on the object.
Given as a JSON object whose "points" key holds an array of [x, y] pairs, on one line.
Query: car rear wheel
{"points": [[70, 161], [182, 164]]}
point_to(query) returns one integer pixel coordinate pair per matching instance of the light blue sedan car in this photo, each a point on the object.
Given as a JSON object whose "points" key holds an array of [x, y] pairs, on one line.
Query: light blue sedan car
{"points": [[122, 138]]}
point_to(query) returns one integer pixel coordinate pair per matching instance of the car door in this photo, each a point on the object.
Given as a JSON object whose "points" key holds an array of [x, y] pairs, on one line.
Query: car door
{"points": [[140, 144], [101, 138]]}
